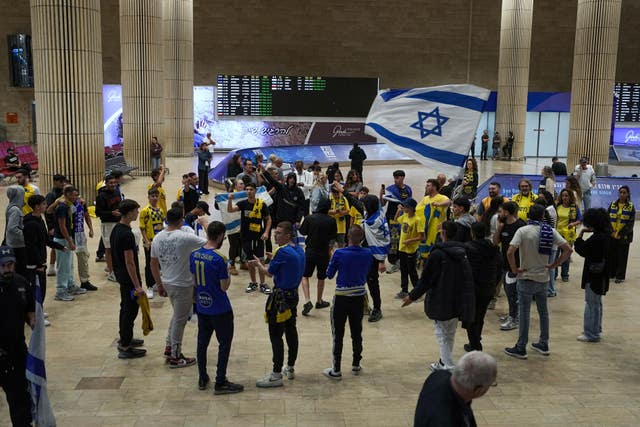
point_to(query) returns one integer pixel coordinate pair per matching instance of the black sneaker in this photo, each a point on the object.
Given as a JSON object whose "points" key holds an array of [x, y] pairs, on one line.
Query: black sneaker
{"points": [[253, 286], [306, 308], [100, 259], [541, 348], [227, 387], [516, 352], [203, 382], [88, 286], [468, 348], [265, 289], [376, 315], [322, 304], [135, 342], [131, 353]]}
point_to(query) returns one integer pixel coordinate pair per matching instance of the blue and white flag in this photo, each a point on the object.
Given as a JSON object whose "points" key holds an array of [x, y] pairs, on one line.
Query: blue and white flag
{"points": [[41, 410], [434, 125], [231, 220], [376, 232]]}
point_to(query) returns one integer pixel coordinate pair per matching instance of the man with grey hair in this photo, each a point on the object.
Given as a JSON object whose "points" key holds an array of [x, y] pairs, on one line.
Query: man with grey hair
{"points": [[445, 399]]}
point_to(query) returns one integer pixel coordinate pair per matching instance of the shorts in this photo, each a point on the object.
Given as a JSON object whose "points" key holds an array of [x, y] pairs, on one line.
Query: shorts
{"points": [[313, 261], [107, 228], [339, 240], [253, 247]]}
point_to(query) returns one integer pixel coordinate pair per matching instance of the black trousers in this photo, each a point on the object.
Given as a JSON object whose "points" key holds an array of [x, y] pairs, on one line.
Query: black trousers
{"points": [[618, 258], [289, 330], [148, 276], [347, 308], [14, 383], [32, 273], [373, 283], [307, 206], [21, 261], [235, 247], [128, 313], [203, 180], [222, 325], [394, 234], [483, 151], [474, 330], [408, 270]]}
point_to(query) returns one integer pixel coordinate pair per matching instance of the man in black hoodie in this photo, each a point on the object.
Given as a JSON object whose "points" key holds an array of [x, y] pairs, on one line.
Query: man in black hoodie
{"points": [[448, 278], [484, 258], [320, 229], [37, 238], [107, 202], [289, 199]]}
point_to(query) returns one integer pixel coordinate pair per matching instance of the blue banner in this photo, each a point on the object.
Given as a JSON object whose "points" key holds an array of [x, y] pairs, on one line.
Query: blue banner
{"points": [[604, 192]]}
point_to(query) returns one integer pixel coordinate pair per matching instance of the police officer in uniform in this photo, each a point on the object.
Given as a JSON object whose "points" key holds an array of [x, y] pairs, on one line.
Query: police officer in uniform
{"points": [[17, 307]]}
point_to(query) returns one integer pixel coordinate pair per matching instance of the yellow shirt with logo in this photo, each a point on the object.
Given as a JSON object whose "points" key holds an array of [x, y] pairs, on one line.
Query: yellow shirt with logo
{"points": [[524, 204], [338, 204], [567, 215], [151, 221], [410, 228], [432, 217], [162, 197]]}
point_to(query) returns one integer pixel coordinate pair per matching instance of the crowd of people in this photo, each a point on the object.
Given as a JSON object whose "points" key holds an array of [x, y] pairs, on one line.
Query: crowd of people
{"points": [[447, 245]]}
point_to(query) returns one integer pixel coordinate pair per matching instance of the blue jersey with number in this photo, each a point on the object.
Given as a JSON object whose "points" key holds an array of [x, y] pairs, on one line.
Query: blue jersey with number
{"points": [[208, 268]]}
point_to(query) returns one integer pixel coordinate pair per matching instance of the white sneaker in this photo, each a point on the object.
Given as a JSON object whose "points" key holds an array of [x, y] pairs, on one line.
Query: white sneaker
{"points": [[112, 277], [394, 267], [150, 293], [51, 271], [47, 323], [45, 315], [331, 374], [271, 380], [289, 372]]}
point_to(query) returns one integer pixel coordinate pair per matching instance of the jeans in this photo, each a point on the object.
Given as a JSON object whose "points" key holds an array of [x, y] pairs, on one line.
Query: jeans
{"points": [[552, 274], [128, 313], [64, 268], [222, 324], [155, 162], [483, 151], [564, 267], [344, 308], [586, 199], [512, 297], [288, 328], [527, 289], [445, 332], [408, 270], [592, 313], [182, 302]]}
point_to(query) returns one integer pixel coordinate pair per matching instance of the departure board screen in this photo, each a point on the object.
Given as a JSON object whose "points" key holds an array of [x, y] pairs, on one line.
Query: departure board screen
{"points": [[628, 105], [295, 96]]}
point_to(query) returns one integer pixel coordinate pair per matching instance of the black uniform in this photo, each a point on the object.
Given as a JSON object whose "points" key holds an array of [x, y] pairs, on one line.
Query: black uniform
{"points": [[16, 300]]}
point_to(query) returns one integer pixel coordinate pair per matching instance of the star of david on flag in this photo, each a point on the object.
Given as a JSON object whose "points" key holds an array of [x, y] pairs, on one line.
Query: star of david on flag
{"points": [[434, 125], [435, 130]]}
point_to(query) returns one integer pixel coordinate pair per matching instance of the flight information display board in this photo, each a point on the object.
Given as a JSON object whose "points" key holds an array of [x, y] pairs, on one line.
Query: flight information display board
{"points": [[295, 96], [628, 104]]}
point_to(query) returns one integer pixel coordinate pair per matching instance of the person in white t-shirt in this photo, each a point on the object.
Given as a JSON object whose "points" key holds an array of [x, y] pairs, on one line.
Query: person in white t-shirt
{"points": [[170, 251], [586, 177], [305, 182], [534, 242]]}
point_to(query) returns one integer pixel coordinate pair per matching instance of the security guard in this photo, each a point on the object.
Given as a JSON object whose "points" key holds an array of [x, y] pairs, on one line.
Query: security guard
{"points": [[17, 307]]}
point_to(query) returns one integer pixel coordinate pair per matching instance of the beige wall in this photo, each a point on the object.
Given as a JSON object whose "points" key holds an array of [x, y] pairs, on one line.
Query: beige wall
{"points": [[405, 43]]}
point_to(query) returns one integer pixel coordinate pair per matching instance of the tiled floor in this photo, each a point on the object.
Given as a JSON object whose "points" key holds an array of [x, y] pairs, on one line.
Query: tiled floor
{"points": [[579, 384]]}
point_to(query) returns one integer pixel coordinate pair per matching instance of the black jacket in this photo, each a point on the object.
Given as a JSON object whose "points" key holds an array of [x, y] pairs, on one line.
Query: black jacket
{"points": [[595, 249], [107, 202], [484, 258], [37, 238], [448, 281], [357, 156], [233, 170], [289, 201]]}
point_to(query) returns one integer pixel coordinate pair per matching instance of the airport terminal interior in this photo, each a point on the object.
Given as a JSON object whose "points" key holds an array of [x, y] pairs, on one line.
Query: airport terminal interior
{"points": [[105, 77]]}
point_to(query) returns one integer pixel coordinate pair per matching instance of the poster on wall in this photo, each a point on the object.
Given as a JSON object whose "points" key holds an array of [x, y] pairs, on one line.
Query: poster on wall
{"points": [[112, 113]]}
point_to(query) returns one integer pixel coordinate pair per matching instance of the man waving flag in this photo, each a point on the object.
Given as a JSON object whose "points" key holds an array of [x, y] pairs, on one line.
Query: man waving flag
{"points": [[434, 125], [36, 375]]}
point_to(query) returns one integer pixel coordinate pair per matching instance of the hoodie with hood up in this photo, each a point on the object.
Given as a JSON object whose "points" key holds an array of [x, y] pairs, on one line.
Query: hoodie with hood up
{"points": [[464, 227], [13, 215], [289, 201]]}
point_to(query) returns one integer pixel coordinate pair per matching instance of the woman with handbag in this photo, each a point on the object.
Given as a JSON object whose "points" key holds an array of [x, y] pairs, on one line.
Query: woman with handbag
{"points": [[595, 273]]}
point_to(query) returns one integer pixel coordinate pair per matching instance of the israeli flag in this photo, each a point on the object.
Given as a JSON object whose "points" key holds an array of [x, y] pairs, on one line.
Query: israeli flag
{"points": [[231, 220], [41, 410], [434, 125]]}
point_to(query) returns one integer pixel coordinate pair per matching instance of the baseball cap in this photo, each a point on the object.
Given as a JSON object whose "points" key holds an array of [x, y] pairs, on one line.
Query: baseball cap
{"points": [[204, 206], [410, 203], [6, 255]]}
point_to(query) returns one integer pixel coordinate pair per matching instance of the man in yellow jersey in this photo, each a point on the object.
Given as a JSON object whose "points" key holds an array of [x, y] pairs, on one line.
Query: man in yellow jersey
{"points": [[151, 223], [157, 175], [339, 211], [433, 208], [524, 199], [495, 189], [22, 176]]}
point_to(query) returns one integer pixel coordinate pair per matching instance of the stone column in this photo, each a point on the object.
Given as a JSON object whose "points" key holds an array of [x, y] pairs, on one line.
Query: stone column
{"points": [[178, 77], [67, 59], [142, 78], [592, 83], [513, 71]]}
